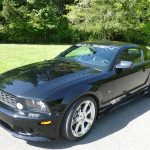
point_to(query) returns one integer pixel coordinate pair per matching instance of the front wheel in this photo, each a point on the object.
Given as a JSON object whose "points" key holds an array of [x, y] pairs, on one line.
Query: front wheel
{"points": [[79, 119]]}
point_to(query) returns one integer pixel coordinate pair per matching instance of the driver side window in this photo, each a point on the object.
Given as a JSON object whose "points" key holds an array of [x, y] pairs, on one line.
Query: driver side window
{"points": [[133, 54]]}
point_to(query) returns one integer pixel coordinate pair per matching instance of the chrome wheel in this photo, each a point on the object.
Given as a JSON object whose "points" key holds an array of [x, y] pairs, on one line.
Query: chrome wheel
{"points": [[83, 118]]}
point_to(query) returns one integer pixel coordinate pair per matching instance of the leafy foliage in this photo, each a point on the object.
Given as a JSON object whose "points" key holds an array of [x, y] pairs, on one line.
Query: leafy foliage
{"points": [[127, 20], [34, 21]]}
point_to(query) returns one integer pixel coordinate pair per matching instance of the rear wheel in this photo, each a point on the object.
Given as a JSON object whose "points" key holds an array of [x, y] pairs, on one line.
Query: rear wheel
{"points": [[79, 119]]}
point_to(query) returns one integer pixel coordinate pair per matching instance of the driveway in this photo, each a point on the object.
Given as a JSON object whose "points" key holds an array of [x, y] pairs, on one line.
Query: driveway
{"points": [[127, 128]]}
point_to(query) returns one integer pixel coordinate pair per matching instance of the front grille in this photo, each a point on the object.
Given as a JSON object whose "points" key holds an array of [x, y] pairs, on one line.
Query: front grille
{"points": [[8, 99]]}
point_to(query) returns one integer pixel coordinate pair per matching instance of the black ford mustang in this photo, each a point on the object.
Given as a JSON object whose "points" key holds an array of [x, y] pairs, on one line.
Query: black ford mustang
{"points": [[64, 96]]}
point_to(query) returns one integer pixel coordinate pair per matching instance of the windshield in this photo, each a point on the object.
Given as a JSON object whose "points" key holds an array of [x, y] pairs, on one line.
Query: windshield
{"points": [[95, 56]]}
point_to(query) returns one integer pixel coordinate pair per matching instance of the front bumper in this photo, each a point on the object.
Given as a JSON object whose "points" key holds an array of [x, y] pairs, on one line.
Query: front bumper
{"points": [[28, 128]]}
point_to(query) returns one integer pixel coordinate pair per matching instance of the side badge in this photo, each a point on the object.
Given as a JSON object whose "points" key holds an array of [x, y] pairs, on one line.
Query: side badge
{"points": [[113, 102]]}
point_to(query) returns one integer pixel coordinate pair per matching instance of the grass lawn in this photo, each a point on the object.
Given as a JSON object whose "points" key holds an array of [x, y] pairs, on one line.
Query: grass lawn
{"points": [[16, 55]]}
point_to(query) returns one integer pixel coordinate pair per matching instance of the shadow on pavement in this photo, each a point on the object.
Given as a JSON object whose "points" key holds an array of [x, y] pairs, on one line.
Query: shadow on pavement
{"points": [[105, 126]]}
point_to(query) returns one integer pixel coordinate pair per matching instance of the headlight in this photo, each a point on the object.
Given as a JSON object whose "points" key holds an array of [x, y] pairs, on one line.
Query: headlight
{"points": [[37, 106]]}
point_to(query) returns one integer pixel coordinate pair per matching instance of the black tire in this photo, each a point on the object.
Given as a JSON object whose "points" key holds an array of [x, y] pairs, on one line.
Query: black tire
{"points": [[66, 131]]}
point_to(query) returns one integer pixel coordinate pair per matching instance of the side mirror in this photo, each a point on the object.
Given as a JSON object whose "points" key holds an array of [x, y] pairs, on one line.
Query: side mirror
{"points": [[124, 65]]}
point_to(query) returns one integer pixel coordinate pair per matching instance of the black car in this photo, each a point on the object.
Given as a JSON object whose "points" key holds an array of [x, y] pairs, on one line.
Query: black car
{"points": [[64, 96]]}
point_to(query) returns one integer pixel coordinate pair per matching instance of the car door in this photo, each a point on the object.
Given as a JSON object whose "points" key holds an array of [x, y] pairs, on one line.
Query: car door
{"points": [[126, 81]]}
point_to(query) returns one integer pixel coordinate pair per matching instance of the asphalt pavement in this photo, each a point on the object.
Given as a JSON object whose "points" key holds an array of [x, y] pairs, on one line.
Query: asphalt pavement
{"points": [[127, 128]]}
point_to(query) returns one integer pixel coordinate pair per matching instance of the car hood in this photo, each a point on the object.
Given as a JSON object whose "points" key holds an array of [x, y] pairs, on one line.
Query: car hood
{"points": [[33, 80]]}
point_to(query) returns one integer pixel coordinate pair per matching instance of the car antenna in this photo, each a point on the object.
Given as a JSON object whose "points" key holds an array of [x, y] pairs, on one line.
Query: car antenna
{"points": [[45, 45]]}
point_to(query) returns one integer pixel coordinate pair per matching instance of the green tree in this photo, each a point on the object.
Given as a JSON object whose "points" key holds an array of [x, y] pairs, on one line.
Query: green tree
{"points": [[40, 21], [113, 19], [28, 21]]}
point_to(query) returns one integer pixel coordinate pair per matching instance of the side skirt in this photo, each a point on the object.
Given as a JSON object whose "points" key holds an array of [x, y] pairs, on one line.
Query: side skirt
{"points": [[111, 107]]}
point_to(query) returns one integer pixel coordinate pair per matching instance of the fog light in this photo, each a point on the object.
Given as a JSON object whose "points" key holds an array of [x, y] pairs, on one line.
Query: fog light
{"points": [[46, 123], [19, 106]]}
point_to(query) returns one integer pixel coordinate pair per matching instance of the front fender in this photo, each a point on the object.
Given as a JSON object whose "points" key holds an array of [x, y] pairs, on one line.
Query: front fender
{"points": [[60, 100], [78, 91]]}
